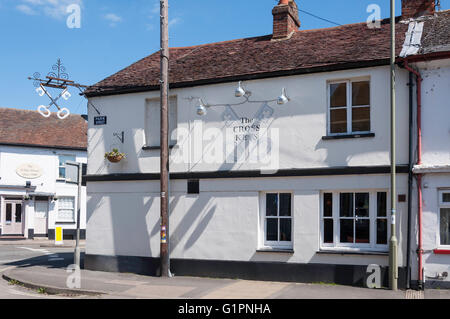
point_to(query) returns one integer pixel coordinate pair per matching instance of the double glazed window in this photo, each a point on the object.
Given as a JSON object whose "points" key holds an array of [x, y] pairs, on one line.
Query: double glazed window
{"points": [[66, 209], [62, 165], [349, 107], [444, 218], [355, 219], [277, 220]]}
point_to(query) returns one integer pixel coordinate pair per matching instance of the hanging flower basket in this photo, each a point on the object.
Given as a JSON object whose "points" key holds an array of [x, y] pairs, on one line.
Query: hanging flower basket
{"points": [[115, 156]]}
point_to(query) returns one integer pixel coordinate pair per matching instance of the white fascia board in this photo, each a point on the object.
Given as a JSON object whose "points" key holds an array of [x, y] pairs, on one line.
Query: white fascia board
{"points": [[421, 169]]}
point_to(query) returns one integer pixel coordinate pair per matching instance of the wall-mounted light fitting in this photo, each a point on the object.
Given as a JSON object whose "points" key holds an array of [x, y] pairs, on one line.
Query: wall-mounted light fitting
{"points": [[202, 108]]}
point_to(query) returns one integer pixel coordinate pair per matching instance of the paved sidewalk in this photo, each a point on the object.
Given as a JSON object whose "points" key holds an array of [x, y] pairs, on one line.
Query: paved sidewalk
{"points": [[41, 243], [114, 285]]}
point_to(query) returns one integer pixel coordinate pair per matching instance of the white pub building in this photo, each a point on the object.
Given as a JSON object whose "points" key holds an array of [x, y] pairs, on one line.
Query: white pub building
{"points": [[35, 196], [294, 188]]}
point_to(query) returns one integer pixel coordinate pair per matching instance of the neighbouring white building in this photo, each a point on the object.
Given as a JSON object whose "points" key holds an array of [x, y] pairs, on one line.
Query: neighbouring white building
{"points": [[430, 91], [292, 192], [35, 196]]}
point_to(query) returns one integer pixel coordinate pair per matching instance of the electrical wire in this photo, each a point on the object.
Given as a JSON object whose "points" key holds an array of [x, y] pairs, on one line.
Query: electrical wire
{"points": [[320, 18]]}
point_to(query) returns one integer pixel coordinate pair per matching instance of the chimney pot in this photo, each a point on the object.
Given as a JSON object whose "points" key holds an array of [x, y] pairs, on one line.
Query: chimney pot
{"points": [[285, 19], [417, 8]]}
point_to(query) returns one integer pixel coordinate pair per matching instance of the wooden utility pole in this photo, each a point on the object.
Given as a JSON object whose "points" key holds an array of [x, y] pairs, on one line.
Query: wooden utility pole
{"points": [[164, 250]]}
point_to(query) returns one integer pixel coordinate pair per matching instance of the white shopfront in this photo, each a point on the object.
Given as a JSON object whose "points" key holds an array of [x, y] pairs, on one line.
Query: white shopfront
{"points": [[35, 196]]}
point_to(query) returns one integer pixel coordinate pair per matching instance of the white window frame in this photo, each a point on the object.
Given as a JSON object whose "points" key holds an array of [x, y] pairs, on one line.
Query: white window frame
{"points": [[58, 219], [58, 178], [268, 245], [337, 245], [349, 107], [442, 204]]}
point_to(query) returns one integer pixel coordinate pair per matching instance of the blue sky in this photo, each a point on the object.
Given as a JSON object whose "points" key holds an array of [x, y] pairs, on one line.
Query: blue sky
{"points": [[116, 33]]}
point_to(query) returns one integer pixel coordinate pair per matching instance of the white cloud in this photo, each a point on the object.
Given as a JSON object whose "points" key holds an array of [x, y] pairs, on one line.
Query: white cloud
{"points": [[53, 8], [26, 9], [174, 21], [113, 19]]}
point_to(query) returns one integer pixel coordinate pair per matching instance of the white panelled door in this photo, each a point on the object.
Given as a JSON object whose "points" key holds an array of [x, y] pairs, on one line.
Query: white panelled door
{"points": [[13, 217], [41, 217]]}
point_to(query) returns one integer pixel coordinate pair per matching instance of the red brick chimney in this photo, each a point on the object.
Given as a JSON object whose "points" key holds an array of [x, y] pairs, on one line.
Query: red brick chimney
{"points": [[285, 19], [417, 8]]}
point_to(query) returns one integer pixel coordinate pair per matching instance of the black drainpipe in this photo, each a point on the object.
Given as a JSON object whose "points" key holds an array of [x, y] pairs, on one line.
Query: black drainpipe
{"points": [[410, 181]]}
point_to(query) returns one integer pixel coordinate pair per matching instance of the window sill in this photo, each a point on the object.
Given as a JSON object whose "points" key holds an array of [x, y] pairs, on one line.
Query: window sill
{"points": [[275, 250], [155, 148], [353, 252], [347, 136], [441, 251], [65, 223]]}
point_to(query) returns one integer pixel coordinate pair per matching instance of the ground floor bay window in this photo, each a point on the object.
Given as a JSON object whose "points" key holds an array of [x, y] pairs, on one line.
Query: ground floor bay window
{"points": [[354, 221]]}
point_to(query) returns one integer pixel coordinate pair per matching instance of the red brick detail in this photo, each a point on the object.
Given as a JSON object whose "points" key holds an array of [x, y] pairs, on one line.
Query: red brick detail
{"points": [[417, 8], [285, 20]]}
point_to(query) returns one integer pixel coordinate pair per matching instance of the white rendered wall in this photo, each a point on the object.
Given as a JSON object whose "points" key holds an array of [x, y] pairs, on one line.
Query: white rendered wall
{"points": [[435, 112], [435, 154], [302, 123], [222, 222]]}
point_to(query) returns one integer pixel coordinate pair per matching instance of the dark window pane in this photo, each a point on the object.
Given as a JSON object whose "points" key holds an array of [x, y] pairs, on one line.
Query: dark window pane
{"points": [[346, 230], [272, 229], [285, 204], [338, 121], [338, 95], [382, 231], [8, 213], [445, 226], [361, 119], [18, 213], [381, 204], [362, 204], [328, 205], [272, 205], [328, 231], [346, 205], [285, 229], [362, 231], [446, 197], [361, 93]]}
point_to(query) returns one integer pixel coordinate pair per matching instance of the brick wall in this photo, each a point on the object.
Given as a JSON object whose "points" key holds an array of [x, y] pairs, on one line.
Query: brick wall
{"points": [[417, 8]]}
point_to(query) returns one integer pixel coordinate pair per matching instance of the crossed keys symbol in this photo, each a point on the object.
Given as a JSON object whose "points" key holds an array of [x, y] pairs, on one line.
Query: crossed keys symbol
{"points": [[45, 110], [263, 115]]}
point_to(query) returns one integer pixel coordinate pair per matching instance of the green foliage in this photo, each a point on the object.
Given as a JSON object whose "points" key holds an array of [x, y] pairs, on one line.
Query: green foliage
{"points": [[114, 153]]}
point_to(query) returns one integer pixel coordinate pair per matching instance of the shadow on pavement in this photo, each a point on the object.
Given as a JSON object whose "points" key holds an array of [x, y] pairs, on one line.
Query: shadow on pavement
{"points": [[53, 261]]}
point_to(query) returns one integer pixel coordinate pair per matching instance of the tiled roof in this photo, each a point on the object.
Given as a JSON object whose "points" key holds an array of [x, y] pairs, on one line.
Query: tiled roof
{"points": [[436, 37], [342, 47], [22, 127]]}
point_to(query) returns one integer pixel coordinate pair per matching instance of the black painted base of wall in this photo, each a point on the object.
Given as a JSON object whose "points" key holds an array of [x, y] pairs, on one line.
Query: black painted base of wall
{"points": [[68, 234], [30, 233], [437, 284], [351, 275]]}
